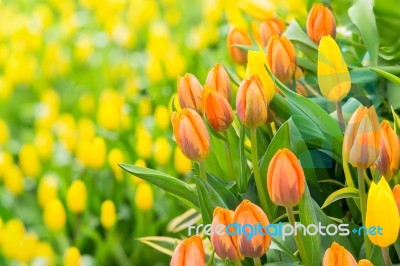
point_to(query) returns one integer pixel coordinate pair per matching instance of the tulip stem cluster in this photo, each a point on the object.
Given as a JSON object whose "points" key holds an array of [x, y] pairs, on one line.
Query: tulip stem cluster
{"points": [[231, 171], [363, 206], [339, 113], [297, 237], [202, 167], [386, 257]]}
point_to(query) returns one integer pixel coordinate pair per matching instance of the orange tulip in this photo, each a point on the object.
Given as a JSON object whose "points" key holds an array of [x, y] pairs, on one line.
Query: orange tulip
{"points": [[269, 28], [320, 22], [225, 246], [191, 134], [365, 262], [396, 195], [251, 104], [389, 158], [285, 179], [337, 255], [235, 37], [190, 93], [218, 79], [281, 57], [189, 253], [258, 244], [361, 143], [217, 109]]}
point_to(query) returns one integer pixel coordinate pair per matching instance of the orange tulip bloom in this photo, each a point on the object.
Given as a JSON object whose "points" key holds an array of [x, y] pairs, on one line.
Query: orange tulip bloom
{"points": [[218, 79], [281, 57], [361, 143], [337, 255], [251, 104], [365, 262], [191, 134], [258, 244], [190, 93], [189, 253], [269, 28], [285, 179], [396, 195], [320, 22], [217, 109], [237, 36], [225, 246], [389, 158]]}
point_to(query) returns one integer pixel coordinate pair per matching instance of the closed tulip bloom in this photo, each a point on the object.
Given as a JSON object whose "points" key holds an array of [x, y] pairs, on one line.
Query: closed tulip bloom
{"points": [[361, 141], [258, 245], [333, 75], [260, 10], [281, 57], [189, 253], [382, 211], [108, 214], [47, 190], [364, 262], [190, 93], [72, 257], [191, 134], [285, 179], [76, 196], [236, 37], [225, 246], [337, 255], [181, 162], [251, 104], [389, 157], [144, 196], [396, 195], [218, 111], [320, 22], [54, 215], [218, 79], [269, 28]]}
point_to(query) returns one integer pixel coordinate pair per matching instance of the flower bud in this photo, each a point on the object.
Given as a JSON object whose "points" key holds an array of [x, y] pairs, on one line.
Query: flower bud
{"points": [[361, 141], [337, 255], [389, 156], [76, 196], [29, 160], [4, 132], [238, 37], [251, 104], [72, 257], [54, 215], [44, 143], [189, 252], [218, 111], [218, 79], [258, 245], [162, 151], [144, 196], [108, 214], [225, 245], [320, 22], [191, 134], [116, 156], [285, 179], [13, 179], [47, 190], [333, 75], [364, 262], [181, 162], [281, 58], [396, 195], [269, 28], [190, 93], [382, 211], [260, 10]]}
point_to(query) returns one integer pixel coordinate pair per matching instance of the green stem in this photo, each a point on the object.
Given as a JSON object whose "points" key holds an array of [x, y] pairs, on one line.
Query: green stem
{"points": [[257, 262], [339, 113], [363, 204], [297, 237], [237, 263], [231, 170], [256, 170], [202, 167], [386, 257]]}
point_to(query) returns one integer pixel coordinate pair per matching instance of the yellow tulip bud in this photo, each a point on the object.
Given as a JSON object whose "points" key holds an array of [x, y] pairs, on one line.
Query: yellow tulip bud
{"points": [[5, 161], [11, 237], [333, 75], [110, 109], [143, 142], [260, 10], [144, 106], [4, 133], [76, 196], [28, 245], [66, 129], [162, 151], [364, 262], [13, 179], [86, 129], [47, 190], [45, 251], [181, 162], [337, 255], [29, 160], [54, 215], [162, 116], [44, 143], [97, 153], [72, 257], [382, 211], [114, 158], [144, 196], [108, 215]]}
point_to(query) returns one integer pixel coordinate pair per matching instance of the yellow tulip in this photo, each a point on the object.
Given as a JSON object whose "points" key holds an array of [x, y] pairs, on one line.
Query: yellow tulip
{"points": [[114, 158], [54, 215], [143, 142], [258, 9], [97, 153], [162, 151], [181, 162], [144, 196], [12, 234], [29, 160], [108, 214], [161, 116], [333, 75], [6, 160], [382, 211], [13, 179], [4, 133], [364, 262], [86, 128], [44, 143], [47, 190], [72, 257], [76, 196]]}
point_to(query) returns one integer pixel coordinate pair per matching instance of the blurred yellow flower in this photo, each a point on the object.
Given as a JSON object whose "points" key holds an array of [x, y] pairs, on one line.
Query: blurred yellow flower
{"points": [[162, 151], [86, 128], [144, 197], [258, 9], [76, 196], [108, 214], [47, 190], [12, 234], [109, 109], [162, 117], [83, 48], [29, 160], [44, 143], [144, 142], [45, 251], [72, 257], [54, 215], [13, 179], [4, 132], [5, 161], [6, 88], [87, 103], [66, 130], [182, 164], [144, 106], [92, 153], [115, 157]]}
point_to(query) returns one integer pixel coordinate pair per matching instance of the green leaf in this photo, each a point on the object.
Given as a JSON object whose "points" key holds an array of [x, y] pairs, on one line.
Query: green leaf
{"points": [[362, 15], [164, 181], [276, 245], [227, 196], [396, 119], [295, 33], [387, 75], [343, 193]]}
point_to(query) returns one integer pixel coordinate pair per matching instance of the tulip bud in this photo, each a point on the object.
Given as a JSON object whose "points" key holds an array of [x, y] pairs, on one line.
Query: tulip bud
{"points": [[190, 93], [238, 37], [47, 190], [44, 143], [269, 28], [389, 157], [108, 214], [218, 79], [54, 215], [281, 57], [225, 245], [364, 262], [361, 141], [258, 245], [4, 132], [320, 22], [29, 160], [189, 252], [396, 195], [251, 104], [260, 10], [181, 162], [76, 196], [285, 179], [13, 179], [191, 134], [72, 257], [144, 197], [217, 110], [337, 255], [115, 157], [382, 211], [333, 75]]}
